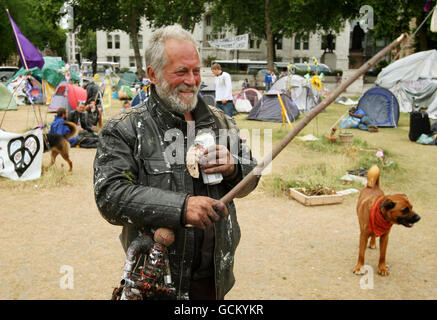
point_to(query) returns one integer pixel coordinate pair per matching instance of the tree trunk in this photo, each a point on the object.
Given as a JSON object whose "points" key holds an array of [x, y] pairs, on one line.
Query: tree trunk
{"points": [[269, 37], [134, 34]]}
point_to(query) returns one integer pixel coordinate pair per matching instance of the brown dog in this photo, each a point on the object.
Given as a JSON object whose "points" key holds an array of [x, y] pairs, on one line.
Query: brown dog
{"points": [[376, 214], [59, 144]]}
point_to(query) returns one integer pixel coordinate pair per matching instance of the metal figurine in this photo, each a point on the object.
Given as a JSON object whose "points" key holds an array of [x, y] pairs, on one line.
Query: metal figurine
{"points": [[154, 277]]}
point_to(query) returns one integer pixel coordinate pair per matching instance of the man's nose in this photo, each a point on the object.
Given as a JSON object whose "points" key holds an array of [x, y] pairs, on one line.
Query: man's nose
{"points": [[191, 78]]}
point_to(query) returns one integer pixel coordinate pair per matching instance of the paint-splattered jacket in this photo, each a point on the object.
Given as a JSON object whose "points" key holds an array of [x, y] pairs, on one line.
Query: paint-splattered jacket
{"points": [[136, 185]]}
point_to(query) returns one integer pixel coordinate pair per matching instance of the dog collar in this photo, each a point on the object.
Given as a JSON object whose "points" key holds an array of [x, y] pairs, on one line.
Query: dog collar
{"points": [[377, 222]]}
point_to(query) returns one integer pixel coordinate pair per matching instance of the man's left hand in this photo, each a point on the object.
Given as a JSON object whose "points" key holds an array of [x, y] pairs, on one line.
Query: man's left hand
{"points": [[217, 159]]}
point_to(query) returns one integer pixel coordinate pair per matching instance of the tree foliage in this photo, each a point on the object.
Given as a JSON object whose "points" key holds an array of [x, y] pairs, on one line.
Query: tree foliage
{"points": [[37, 20], [111, 15], [184, 12], [390, 24]]}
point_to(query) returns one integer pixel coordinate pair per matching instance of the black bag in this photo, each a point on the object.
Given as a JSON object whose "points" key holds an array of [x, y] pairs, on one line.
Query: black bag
{"points": [[88, 140], [419, 124]]}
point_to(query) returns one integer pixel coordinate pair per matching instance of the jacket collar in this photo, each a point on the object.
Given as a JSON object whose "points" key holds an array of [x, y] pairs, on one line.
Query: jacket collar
{"points": [[168, 119]]}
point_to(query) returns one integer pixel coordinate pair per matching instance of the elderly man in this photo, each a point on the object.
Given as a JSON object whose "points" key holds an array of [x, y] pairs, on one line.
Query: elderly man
{"points": [[142, 182]]}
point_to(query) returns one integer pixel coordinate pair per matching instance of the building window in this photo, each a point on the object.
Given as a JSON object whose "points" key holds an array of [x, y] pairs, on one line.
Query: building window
{"points": [[296, 42], [109, 41], [208, 20], [306, 42], [131, 61], [258, 43], [296, 60], [251, 43], [279, 44], [140, 42], [117, 41]]}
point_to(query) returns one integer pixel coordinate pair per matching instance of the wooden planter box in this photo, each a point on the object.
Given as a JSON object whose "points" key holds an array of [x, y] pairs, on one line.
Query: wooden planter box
{"points": [[315, 200]]}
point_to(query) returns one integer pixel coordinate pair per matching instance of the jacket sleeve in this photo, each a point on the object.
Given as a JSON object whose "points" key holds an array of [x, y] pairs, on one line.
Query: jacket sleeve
{"points": [[119, 196]]}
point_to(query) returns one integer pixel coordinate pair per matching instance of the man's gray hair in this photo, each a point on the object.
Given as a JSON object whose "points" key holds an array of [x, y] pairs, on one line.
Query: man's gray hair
{"points": [[155, 50]]}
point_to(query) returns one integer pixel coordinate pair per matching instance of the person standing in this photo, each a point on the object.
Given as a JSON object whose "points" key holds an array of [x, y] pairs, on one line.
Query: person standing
{"points": [[141, 179], [268, 80], [223, 90], [273, 77]]}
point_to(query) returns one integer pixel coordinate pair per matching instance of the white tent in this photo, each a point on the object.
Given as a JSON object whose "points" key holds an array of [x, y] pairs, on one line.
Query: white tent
{"points": [[411, 77], [302, 91]]}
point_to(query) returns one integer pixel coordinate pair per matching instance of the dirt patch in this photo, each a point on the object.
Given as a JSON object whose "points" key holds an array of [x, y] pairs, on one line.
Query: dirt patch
{"points": [[287, 250]]}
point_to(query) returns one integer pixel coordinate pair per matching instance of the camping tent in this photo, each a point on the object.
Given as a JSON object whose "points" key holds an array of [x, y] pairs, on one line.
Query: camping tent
{"points": [[7, 102], [381, 106], [50, 72], [302, 91], [24, 86], [246, 99], [48, 91], [129, 79], [414, 76], [67, 96], [269, 108]]}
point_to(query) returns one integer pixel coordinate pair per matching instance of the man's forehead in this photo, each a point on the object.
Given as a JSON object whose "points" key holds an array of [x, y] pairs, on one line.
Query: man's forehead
{"points": [[181, 50]]}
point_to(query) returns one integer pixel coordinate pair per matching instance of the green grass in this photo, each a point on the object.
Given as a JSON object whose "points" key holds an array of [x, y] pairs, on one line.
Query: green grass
{"points": [[311, 163]]}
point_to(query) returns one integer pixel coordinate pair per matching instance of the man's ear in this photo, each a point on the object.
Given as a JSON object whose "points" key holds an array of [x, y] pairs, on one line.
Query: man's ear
{"points": [[152, 75]]}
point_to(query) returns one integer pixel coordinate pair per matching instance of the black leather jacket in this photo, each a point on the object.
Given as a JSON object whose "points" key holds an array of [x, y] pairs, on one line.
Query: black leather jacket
{"points": [[136, 186]]}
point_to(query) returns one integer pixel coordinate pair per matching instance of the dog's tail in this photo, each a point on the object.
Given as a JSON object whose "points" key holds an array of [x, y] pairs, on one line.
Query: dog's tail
{"points": [[373, 176], [73, 129]]}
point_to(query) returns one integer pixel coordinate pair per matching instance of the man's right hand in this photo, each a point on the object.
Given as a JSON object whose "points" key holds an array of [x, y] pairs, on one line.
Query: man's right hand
{"points": [[204, 211]]}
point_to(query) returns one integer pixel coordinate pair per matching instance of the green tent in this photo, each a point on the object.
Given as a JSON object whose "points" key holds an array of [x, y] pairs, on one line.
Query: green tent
{"points": [[6, 99], [129, 79], [48, 72]]}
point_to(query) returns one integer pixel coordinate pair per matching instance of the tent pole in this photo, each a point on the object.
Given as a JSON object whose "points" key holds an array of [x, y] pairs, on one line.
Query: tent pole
{"points": [[257, 171]]}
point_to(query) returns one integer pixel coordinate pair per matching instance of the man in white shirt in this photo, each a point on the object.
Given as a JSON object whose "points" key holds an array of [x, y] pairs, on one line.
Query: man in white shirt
{"points": [[223, 90]]}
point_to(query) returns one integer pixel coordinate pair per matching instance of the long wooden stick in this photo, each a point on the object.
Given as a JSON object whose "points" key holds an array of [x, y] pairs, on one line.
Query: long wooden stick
{"points": [[302, 123]]}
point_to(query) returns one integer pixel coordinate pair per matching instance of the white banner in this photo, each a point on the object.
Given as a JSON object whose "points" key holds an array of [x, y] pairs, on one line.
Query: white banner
{"points": [[240, 42], [21, 155]]}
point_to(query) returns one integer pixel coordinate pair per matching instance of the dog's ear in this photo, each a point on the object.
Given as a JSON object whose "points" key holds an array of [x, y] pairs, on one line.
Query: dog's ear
{"points": [[388, 204]]}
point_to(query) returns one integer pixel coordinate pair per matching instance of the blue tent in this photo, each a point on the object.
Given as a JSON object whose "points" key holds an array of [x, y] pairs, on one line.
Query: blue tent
{"points": [[381, 106]]}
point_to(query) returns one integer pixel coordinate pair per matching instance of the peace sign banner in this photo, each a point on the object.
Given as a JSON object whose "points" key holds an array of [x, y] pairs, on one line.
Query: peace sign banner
{"points": [[21, 155]]}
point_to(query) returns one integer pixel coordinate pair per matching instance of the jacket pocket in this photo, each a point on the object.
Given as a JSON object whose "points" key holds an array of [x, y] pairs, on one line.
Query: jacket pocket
{"points": [[159, 173]]}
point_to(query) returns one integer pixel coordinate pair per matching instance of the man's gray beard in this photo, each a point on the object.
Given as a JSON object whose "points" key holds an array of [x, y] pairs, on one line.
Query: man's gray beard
{"points": [[171, 98]]}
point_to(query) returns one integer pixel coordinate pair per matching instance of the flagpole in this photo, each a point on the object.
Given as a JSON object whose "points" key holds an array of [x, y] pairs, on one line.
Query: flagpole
{"points": [[18, 43], [41, 124]]}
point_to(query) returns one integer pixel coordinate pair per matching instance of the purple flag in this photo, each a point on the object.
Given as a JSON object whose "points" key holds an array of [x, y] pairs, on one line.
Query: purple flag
{"points": [[427, 6], [29, 55]]}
